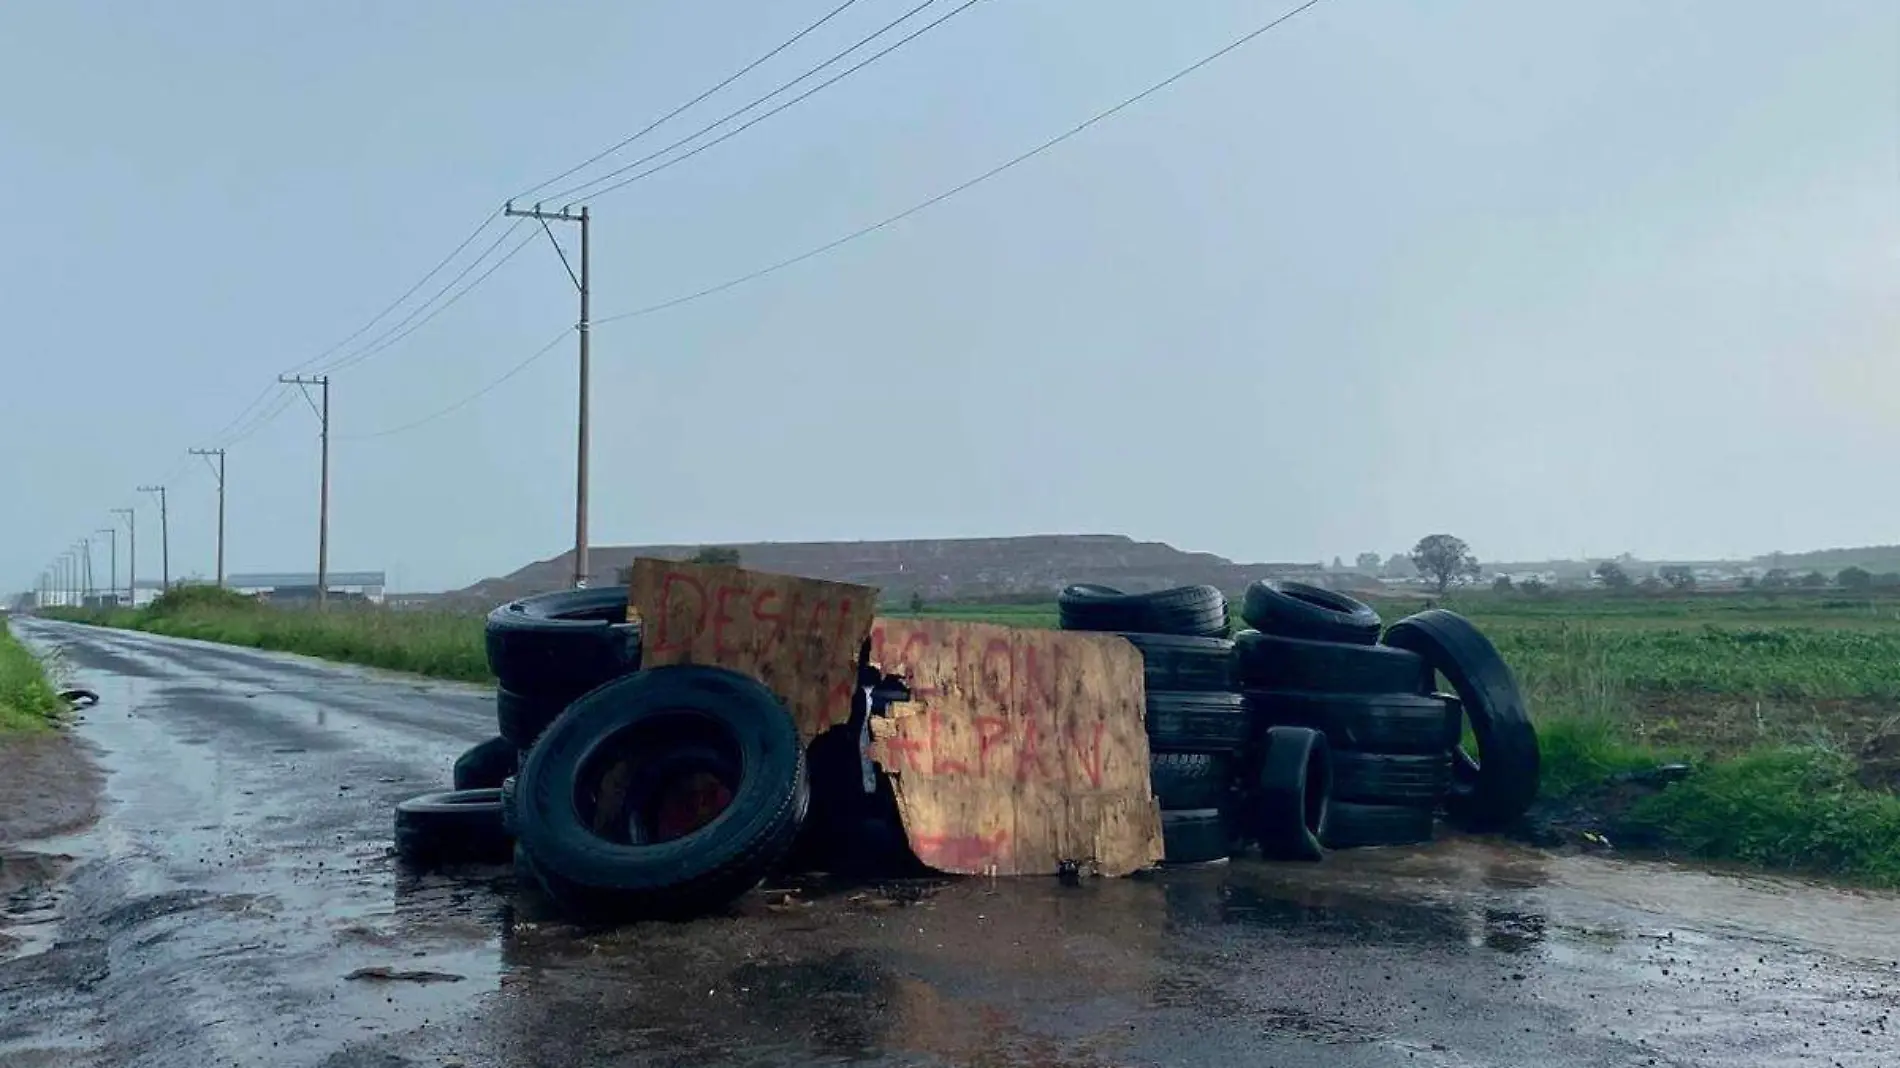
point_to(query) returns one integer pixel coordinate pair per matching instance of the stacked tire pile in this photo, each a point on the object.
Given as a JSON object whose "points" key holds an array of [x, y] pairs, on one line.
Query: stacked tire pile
{"points": [[620, 792], [1315, 659], [1198, 728]]}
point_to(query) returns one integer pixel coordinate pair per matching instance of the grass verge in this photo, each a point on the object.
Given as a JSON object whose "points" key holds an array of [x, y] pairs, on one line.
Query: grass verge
{"points": [[27, 699]]}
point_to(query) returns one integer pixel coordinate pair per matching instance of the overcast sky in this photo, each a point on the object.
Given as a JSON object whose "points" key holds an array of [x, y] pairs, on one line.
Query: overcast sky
{"points": [[1556, 277]]}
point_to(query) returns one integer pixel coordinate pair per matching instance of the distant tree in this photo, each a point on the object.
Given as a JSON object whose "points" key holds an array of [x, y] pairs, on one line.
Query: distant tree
{"points": [[1444, 559], [1367, 562], [916, 600], [1532, 586], [1399, 565], [1612, 575], [1338, 564], [1887, 580], [1857, 579], [1502, 584], [1746, 582], [1677, 576], [1775, 578], [716, 554], [1650, 584], [1813, 580]]}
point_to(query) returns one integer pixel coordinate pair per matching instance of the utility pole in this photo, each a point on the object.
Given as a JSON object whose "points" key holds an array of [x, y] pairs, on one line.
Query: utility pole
{"points": [[112, 533], [131, 556], [323, 493], [164, 538], [85, 589], [219, 470], [580, 462]]}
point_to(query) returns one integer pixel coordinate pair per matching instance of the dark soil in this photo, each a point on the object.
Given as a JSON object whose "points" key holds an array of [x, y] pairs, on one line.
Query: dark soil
{"points": [[48, 786]]}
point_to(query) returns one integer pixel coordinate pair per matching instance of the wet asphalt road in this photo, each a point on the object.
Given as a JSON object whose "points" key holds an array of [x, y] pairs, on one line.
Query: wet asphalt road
{"points": [[240, 873]]}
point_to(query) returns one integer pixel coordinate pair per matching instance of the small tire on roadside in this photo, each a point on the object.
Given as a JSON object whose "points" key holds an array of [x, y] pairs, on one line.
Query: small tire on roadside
{"points": [[1351, 825], [562, 644], [1376, 723], [1287, 808], [1194, 836], [452, 827], [1271, 662], [1414, 780], [1193, 611], [523, 719], [621, 862], [1491, 789], [1190, 780], [1196, 722], [1314, 613], [486, 764]]}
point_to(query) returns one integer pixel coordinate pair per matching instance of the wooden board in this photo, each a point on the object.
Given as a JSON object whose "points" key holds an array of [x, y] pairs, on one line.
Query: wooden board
{"points": [[801, 637], [1021, 748]]}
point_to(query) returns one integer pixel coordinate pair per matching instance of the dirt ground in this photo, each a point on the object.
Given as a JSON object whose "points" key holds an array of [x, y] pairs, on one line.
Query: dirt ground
{"points": [[48, 785]]}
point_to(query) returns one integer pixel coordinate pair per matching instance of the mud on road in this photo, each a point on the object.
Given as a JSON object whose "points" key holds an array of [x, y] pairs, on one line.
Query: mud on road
{"points": [[235, 904]]}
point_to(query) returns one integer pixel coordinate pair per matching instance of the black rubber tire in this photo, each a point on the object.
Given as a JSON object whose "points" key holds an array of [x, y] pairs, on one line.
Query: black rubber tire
{"points": [[486, 764], [451, 827], [1294, 791], [1194, 836], [562, 644], [1350, 825], [1368, 723], [522, 719], [1181, 662], [1196, 611], [702, 870], [1297, 610], [1191, 780], [1270, 662], [1196, 722], [1417, 781], [1502, 782]]}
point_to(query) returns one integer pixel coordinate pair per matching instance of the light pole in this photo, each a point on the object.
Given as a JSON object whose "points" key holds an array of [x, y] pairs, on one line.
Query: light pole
{"points": [[112, 533], [164, 538], [131, 556]]}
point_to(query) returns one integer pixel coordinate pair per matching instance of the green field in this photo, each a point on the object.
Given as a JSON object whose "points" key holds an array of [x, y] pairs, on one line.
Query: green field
{"points": [[27, 699], [1789, 704]]}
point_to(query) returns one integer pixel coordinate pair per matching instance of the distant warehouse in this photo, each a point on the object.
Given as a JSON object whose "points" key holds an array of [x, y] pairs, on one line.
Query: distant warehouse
{"points": [[300, 586]]}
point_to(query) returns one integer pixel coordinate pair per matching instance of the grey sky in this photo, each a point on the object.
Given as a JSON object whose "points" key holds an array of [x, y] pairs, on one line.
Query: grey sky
{"points": [[1555, 277]]}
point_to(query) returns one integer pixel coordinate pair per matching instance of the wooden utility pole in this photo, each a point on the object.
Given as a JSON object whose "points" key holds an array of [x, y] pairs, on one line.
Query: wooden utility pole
{"points": [[112, 543], [581, 283], [323, 491], [131, 556], [219, 470], [164, 538]]}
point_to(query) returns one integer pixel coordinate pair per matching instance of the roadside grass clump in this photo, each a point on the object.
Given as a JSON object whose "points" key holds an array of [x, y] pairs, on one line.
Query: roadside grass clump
{"points": [[1793, 808], [28, 701]]}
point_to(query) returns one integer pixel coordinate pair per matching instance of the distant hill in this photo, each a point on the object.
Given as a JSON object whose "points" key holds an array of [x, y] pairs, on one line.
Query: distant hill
{"points": [[1878, 559], [938, 569]]}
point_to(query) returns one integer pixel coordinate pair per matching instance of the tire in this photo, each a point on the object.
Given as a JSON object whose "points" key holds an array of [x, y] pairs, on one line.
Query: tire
{"points": [[655, 716], [522, 719], [562, 644], [1294, 791], [1196, 722], [1194, 836], [1370, 723], [1350, 825], [1190, 780], [1501, 782], [1269, 662], [1194, 611], [1297, 610], [507, 795], [1180, 662], [450, 827], [1391, 779], [486, 764]]}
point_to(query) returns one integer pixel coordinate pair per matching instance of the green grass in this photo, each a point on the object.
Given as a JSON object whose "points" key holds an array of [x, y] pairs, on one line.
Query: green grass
{"points": [[438, 644], [27, 699]]}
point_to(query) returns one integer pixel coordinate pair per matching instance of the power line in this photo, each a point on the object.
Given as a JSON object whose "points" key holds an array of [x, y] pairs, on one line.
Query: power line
{"points": [[406, 294], [468, 400], [662, 120], [954, 190], [397, 332], [567, 195]]}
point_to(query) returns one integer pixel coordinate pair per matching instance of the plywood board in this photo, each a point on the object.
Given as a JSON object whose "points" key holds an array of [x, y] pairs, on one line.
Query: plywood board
{"points": [[1021, 748], [801, 637]]}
